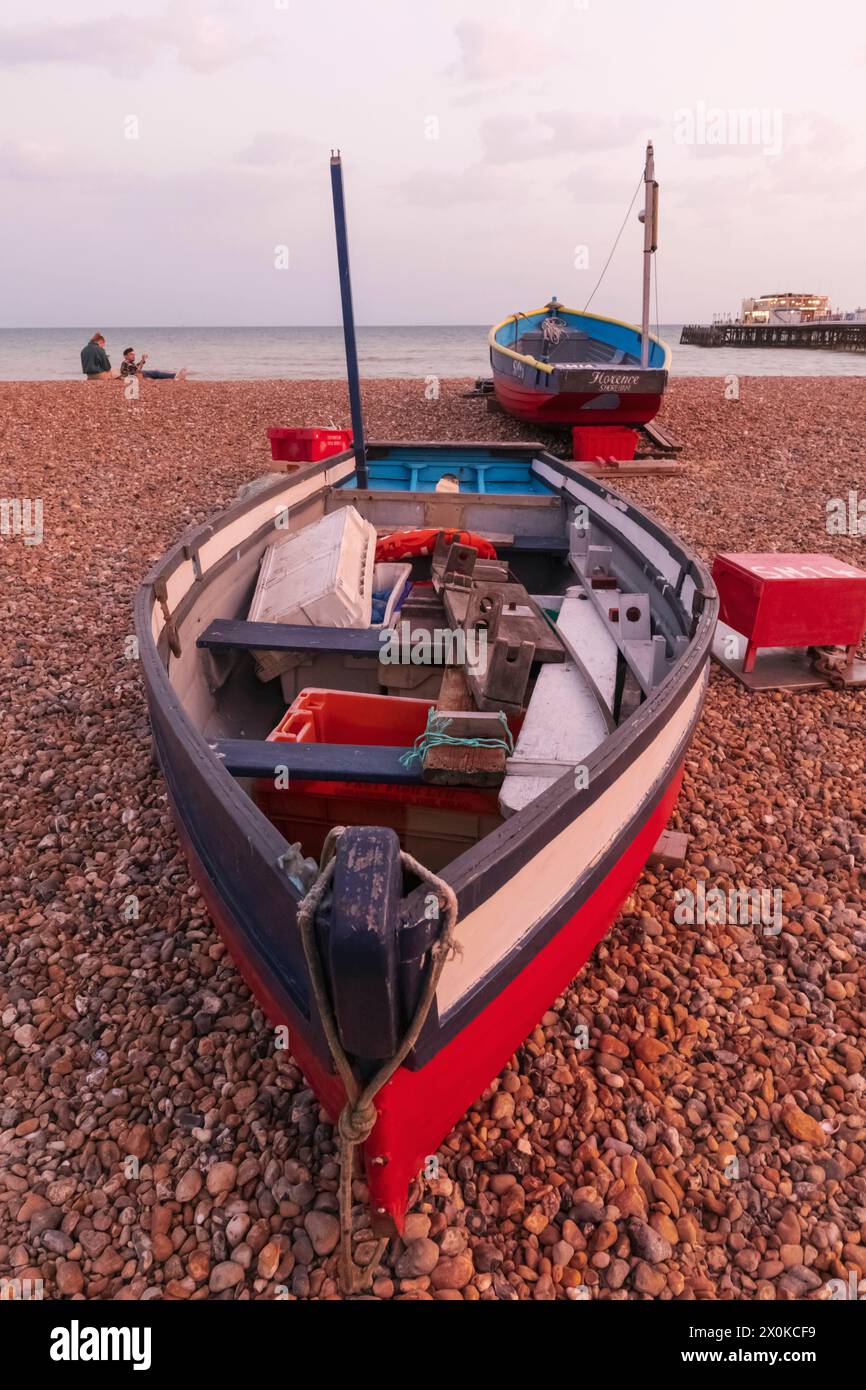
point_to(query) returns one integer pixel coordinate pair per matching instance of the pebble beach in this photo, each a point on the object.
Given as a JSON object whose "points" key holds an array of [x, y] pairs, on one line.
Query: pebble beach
{"points": [[707, 1141]]}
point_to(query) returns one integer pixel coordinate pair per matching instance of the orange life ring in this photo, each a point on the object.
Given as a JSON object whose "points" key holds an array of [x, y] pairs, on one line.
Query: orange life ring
{"points": [[403, 545]]}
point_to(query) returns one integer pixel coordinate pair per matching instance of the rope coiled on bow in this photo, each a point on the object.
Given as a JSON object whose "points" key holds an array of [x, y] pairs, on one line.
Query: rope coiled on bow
{"points": [[359, 1114]]}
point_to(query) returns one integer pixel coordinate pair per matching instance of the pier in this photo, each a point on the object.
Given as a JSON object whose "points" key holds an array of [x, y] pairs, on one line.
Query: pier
{"points": [[837, 337]]}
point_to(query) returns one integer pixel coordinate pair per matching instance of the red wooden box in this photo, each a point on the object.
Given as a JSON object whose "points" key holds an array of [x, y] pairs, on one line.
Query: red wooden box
{"points": [[791, 600], [296, 444]]}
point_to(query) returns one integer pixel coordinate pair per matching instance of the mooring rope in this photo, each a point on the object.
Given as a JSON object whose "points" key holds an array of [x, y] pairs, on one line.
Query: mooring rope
{"points": [[359, 1114], [434, 737], [552, 330]]}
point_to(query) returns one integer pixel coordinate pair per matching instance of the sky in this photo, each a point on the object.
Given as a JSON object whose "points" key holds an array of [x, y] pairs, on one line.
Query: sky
{"points": [[168, 164]]}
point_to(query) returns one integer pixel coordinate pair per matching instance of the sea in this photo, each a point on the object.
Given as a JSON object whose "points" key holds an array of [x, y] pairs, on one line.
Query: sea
{"points": [[239, 354]]}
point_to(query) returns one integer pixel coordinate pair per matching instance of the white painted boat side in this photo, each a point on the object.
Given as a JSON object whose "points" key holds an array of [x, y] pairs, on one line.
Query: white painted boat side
{"points": [[494, 929], [232, 535]]}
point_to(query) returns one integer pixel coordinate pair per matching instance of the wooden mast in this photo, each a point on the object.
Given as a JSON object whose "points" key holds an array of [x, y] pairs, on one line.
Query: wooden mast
{"points": [[650, 219]]}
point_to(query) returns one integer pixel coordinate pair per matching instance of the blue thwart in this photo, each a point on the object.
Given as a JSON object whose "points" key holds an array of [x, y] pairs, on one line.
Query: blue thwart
{"points": [[478, 470]]}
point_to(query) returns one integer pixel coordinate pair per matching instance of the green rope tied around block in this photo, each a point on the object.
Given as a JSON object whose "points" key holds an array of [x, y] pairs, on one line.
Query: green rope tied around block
{"points": [[434, 736]]}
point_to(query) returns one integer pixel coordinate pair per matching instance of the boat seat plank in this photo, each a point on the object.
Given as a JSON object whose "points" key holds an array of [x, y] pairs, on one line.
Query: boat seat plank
{"points": [[228, 633], [315, 762], [563, 724], [552, 545], [590, 644]]}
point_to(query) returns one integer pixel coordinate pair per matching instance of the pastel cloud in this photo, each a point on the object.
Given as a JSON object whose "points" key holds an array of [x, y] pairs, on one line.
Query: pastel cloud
{"points": [[513, 137], [197, 36], [490, 52]]}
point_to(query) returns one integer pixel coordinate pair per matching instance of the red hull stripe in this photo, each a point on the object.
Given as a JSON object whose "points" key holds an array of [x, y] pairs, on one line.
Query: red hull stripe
{"points": [[574, 408]]}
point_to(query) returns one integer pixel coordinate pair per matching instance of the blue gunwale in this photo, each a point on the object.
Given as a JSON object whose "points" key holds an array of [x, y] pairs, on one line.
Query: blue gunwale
{"points": [[617, 332]]}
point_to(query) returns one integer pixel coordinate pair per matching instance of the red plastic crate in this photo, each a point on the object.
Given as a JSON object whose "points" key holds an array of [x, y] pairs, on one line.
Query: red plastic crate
{"points": [[790, 600], [421, 816], [294, 444], [591, 442], [344, 716]]}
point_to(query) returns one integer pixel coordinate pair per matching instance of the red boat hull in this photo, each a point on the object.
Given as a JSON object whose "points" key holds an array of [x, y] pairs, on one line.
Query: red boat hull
{"points": [[574, 407], [418, 1108]]}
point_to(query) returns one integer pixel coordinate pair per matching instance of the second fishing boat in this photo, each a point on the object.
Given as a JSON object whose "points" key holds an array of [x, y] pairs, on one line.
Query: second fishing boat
{"points": [[560, 366]]}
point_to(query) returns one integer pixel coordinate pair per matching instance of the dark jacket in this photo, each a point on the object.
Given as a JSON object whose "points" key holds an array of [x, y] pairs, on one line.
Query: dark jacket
{"points": [[94, 359]]}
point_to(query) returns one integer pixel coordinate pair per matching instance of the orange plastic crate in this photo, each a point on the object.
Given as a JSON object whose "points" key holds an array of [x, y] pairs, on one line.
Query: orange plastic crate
{"points": [[423, 816], [344, 716]]}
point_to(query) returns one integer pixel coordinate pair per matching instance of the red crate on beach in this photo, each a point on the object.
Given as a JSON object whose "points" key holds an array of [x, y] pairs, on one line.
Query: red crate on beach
{"points": [[790, 600], [591, 442], [297, 444]]}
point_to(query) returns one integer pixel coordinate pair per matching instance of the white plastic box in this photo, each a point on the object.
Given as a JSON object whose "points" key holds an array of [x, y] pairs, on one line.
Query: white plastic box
{"points": [[321, 576], [330, 671]]}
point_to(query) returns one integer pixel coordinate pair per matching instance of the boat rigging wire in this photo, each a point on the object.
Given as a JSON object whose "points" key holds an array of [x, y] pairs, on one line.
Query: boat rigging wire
{"points": [[615, 244]]}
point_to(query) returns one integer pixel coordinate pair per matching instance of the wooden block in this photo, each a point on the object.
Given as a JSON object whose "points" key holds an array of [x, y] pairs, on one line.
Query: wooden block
{"points": [[461, 766], [670, 850], [520, 620]]}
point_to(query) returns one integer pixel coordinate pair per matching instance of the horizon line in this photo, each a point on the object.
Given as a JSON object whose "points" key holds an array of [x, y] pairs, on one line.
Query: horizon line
{"points": [[152, 327]]}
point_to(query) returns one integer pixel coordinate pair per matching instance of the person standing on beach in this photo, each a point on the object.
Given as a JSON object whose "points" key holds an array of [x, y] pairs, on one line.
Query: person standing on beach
{"points": [[129, 367], [94, 360]]}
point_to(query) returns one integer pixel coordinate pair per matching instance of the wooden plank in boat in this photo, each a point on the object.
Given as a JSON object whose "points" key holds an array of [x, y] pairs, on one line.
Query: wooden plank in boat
{"points": [[315, 762], [563, 724], [548, 545], [290, 637], [590, 644], [461, 766]]}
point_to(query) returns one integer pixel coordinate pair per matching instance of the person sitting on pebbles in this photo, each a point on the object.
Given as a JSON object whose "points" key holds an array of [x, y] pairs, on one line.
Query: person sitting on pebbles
{"points": [[129, 367], [94, 360]]}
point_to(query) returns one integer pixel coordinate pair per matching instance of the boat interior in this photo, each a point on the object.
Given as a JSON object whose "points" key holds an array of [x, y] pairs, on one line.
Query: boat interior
{"points": [[558, 609], [566, 338]]}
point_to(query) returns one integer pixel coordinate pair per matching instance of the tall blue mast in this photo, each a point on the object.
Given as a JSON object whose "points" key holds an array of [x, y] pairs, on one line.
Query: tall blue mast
{"points": [[348, 318]]}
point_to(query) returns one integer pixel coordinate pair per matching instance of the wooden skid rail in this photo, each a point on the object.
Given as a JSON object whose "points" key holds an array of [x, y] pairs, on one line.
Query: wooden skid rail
{"points": [[316, 762]]}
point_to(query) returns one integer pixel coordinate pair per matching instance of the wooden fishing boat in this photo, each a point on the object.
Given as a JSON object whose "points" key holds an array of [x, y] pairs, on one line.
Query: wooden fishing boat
{"points": [[533, 895], [560, 366], [407, 904]]}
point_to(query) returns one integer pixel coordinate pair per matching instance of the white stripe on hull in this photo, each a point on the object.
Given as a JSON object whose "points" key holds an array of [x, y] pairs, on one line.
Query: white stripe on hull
{"points": [[232, 535], [494, 929]]}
